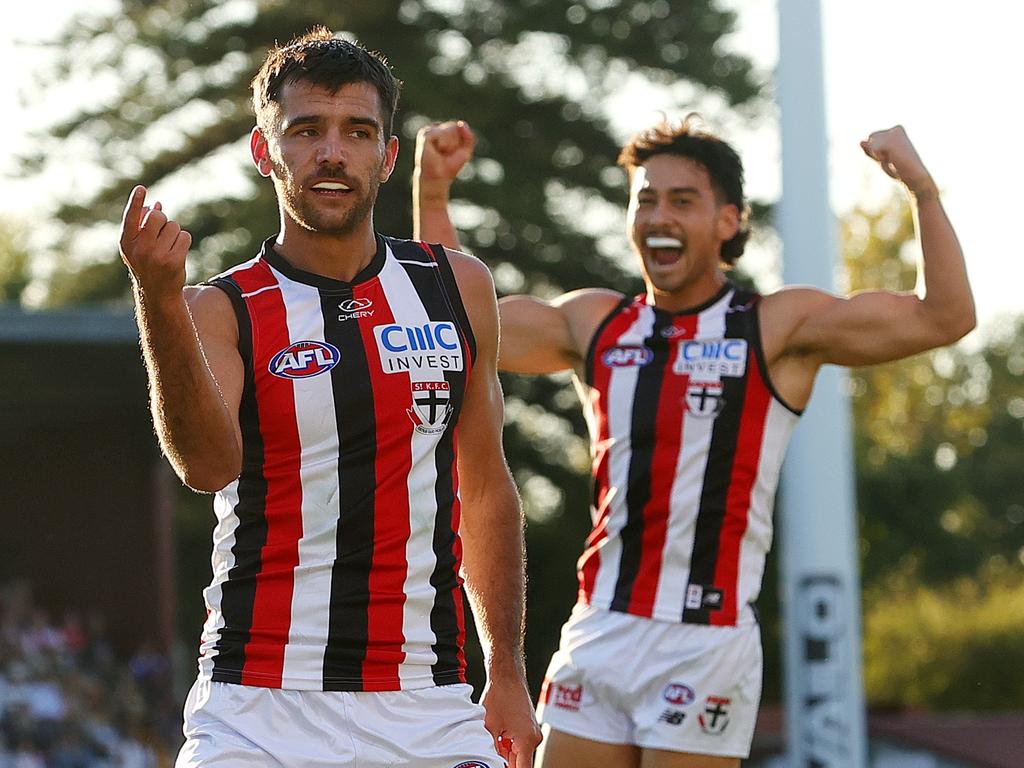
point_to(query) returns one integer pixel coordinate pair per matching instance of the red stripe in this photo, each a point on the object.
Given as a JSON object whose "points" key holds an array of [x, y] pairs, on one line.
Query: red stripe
{"points": [[275, 400], [741, 485], [460, 617], [391, 524], [668, 437], [590, 561]]}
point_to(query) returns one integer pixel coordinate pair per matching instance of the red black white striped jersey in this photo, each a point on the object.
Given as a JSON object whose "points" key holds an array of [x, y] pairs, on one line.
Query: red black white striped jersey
{"points": [[688, 438], [336, 552]]}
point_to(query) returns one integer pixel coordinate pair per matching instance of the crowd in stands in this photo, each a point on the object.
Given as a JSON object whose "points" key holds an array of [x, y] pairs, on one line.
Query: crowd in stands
{"points": [[68, 701]]}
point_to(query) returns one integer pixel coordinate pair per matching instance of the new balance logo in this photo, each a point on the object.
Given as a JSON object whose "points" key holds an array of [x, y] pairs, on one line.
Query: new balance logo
{"points": [[672, 717]]}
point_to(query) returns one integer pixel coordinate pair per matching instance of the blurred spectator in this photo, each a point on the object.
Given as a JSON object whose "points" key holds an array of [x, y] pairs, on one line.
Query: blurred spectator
{"points": [[66, 701]]}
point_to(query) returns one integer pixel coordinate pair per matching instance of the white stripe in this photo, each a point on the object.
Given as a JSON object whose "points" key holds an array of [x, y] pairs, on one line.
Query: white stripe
{"points": [[319, 445], [432, 264], [222, 560], [621, 391], [260, 290], [757, 539], [687, 486], [408, 310]]}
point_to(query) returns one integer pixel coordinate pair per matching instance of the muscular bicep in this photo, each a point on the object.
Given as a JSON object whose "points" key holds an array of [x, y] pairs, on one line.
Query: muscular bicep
{"points": [[863, 329], [217, 328], [546, 337], [535, 337]]}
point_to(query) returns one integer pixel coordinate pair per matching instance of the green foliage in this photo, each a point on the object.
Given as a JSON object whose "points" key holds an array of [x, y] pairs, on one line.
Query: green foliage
{"points": [[14, 261], [530, 76], [958, 648], [939, 448]]}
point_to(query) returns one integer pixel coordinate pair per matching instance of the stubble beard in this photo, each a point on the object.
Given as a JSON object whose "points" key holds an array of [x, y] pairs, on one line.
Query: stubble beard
{"points": [[308, 216]]}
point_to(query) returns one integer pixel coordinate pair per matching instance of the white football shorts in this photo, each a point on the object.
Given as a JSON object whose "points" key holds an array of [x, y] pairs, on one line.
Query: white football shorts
{"points": [[623, 679], [239, 726]]}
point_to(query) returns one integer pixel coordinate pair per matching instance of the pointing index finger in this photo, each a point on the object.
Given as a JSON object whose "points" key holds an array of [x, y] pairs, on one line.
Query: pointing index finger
{"points": [[133, 211]]}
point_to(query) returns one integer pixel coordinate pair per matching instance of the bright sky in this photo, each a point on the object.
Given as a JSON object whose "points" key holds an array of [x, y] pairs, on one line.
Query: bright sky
{"points": [[942, 69]]}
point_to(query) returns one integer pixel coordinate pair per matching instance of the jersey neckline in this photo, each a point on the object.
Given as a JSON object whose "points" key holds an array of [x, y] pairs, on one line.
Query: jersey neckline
{"points": [[719, 295], [367, 273]]}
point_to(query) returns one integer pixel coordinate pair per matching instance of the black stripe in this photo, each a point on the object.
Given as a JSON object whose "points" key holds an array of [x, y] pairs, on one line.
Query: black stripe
{"points": [[348, 629], [642, 436], [762, 362], [238, 593], [429, 286], [450, 294], [718, 472]]}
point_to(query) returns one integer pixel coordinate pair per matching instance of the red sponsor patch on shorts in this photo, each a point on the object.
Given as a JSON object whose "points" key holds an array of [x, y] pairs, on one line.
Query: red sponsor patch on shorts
{"points": [[567, 696]]}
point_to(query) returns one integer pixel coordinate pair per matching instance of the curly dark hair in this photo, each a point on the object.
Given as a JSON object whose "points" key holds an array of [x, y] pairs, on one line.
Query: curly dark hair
{"points": [[723, 164], [320, 58]]}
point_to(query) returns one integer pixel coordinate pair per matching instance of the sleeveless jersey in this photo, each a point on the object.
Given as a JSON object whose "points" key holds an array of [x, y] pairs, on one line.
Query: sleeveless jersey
{"points": [[688, 438], [336, 551]]}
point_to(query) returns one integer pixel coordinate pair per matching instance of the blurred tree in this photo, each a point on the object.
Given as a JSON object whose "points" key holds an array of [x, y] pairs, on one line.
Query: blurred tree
{"points": [[541, 203], [939, 449], [958, 648], [936, 435], [14, 261]]}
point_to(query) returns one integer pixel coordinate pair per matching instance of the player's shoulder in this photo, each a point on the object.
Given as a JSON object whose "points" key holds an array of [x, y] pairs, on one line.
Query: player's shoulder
{"points": [[795, 301], [211, 308], [589, 303], [470, 272]]}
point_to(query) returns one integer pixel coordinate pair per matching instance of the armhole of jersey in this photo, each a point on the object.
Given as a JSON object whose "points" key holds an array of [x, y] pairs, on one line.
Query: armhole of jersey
{"points": [[452, 297], [761, 362], [242, 319], [588, 363]]}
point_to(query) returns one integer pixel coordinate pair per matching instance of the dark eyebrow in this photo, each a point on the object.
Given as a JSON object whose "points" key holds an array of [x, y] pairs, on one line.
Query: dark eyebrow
{"points": [[372, 122], [313, 119], [299, 120], [670, 191]]}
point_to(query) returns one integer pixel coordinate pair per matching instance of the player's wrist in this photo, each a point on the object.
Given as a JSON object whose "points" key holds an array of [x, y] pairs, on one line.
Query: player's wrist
{"points": [[157, 300], [505, 668], [431, 188], [923, 190]]}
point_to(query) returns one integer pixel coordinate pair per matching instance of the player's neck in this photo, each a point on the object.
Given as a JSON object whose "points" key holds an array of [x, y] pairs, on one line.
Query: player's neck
{"points": [[690, 294], [340, 257]]}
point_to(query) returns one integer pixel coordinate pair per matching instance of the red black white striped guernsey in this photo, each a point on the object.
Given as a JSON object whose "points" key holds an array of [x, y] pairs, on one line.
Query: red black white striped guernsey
{"points": [[688, 438], [336, 552]]}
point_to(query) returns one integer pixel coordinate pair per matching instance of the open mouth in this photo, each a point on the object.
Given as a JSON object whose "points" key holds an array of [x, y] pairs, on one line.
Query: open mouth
{"points": [[331, 188], [664, 251]]}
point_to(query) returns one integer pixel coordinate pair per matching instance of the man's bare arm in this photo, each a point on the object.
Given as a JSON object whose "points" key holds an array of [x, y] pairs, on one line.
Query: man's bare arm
{"points": [[877, 326], [195, 385], [492, 529], [442, 149]]}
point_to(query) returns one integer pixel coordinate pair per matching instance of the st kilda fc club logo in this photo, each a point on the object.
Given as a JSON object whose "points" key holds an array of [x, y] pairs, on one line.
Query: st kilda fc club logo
{"points": [[431, 406], [715, 717]]}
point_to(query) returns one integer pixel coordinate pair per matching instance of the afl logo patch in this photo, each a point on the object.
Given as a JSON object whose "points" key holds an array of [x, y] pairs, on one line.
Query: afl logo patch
{"points": [[627, 357], [679, 694], [304, 359], [472, 764]]}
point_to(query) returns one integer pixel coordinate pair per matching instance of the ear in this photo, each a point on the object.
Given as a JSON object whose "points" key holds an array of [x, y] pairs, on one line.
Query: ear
{"points": [[390, 156], [728, 223], [260, 152]]}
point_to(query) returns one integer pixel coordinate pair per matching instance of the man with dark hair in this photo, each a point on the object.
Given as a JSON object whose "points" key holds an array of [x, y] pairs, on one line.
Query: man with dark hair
{"points": [[339, 394], [691, 391]]}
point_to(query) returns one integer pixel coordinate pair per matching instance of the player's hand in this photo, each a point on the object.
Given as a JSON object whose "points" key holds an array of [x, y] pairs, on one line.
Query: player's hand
{"points": [[442, 149], [511, 722], [153, 247], [892, 150]]}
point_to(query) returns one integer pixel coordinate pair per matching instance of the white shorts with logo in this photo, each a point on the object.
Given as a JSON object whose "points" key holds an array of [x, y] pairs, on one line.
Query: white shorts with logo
{"points": [[238, 726], [623, 679]]}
